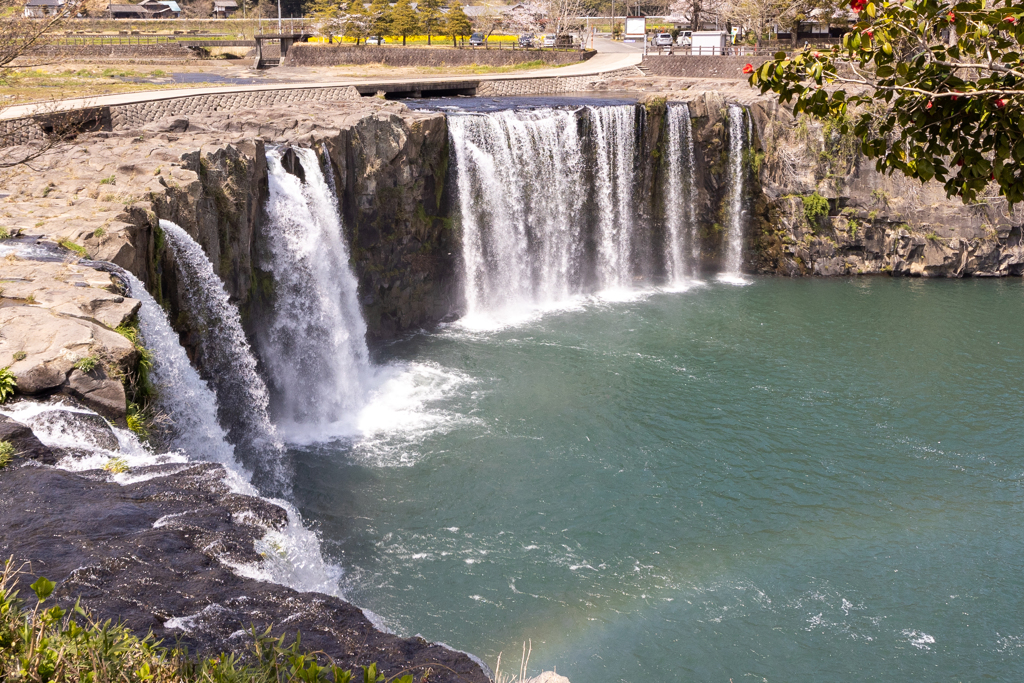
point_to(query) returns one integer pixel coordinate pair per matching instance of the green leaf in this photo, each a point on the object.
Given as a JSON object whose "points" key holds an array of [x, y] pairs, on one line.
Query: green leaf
{"points": [[870, 9], [43, 587]]}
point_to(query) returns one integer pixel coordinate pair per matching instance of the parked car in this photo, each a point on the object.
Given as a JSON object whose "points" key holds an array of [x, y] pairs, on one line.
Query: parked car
{"points": [[526, 40], [685, 38], [662, 40], [476, 40], [549, 41], [375, 41]]}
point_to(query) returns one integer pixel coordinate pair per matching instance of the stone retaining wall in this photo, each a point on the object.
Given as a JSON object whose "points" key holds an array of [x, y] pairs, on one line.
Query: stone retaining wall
{"points": [[136, 115], [304, 54], [687, 66], [114, 51]]}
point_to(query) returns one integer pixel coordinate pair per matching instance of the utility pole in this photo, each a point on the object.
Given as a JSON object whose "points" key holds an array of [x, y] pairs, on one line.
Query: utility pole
{"points": [[279, 17]]}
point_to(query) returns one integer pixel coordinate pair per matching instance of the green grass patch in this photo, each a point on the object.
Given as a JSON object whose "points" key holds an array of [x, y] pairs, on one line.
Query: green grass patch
{"points": [[44, 644], [72, 246]]}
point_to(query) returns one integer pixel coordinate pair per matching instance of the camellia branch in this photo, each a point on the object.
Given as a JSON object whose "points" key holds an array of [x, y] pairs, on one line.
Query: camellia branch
{"points": [[942, 90]]}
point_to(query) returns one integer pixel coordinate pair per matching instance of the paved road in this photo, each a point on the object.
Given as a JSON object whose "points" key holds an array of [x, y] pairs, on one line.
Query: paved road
{"points": [[607, 45], [609, 58]]}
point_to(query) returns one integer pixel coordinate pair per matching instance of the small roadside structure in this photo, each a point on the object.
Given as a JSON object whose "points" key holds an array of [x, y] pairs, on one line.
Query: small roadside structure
{"points": [[223, 9], [37, 9], [709, 42]]}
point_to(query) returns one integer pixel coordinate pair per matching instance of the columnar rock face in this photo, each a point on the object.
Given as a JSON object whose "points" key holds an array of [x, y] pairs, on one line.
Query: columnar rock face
{"points": [[57, 332], [208, 174], [816, 206]]}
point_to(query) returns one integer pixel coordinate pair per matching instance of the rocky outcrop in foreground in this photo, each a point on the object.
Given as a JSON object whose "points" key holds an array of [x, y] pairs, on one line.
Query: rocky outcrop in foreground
{"points": [[158, 548], [59, 332]]}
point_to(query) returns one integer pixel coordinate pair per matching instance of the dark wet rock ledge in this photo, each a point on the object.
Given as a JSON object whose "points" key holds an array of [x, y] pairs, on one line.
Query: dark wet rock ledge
{"points": [[159, 549]]}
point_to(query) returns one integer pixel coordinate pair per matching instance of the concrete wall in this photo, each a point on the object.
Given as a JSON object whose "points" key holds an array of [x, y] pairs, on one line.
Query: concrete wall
{"points": [[686, 66], [330, 55]]}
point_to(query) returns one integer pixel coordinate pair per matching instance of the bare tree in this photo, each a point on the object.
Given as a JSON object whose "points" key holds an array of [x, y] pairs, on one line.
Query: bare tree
{"points": [[23, 139], [564, 17]]}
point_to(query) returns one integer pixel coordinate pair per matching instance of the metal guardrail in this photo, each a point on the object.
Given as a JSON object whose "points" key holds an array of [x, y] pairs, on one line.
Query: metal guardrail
{"points": [[728, 51]]}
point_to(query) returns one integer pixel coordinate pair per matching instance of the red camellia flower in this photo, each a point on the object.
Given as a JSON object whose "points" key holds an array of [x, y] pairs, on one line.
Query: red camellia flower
{"points": [[952, 17], [748, 68], [929, 105], [959, 162], [869, 33], [1001, 103], [858, 5], [992, 176], [1011, 20]]}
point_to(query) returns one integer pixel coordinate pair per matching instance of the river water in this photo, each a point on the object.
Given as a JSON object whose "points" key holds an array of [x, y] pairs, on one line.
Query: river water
{"points": [[791, 480]]}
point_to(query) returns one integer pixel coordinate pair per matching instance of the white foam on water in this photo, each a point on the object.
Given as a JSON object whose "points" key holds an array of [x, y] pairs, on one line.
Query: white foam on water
{"points": [[733, 279], [919, 639]]}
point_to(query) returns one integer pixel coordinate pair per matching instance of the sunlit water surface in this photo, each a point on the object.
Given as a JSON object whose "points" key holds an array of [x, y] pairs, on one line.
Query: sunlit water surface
{"points": [[794, 480]]}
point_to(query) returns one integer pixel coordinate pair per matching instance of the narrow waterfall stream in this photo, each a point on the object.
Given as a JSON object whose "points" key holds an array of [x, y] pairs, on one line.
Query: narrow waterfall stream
{"points": [[615, 154], [183, 396], [313, 343], [227, 359], [737, 219], [682, 250]]}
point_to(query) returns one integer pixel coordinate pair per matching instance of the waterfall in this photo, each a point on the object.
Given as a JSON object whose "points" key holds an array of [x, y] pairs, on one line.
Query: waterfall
{"points": [[528, 198], [521, 179], [313, 345], [682, 249], [734, 231], [187, 401], [227, 359], [615, 135]]}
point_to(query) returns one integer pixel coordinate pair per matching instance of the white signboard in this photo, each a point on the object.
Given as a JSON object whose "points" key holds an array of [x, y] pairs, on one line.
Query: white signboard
{"points": [[636, 27]]}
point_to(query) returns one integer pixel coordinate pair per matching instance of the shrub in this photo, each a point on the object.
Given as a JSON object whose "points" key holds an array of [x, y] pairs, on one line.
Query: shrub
{"points": [[815, 207], [6, 453], [20, 355], [8, 384]]}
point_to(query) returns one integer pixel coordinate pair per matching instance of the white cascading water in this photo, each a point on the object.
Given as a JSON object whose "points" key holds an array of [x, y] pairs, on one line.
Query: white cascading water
{"points": [[313, 346], [241, 394], [521, 188], [682, 249], [524, 191], [734, 231], [182, 395], [615, 178]]}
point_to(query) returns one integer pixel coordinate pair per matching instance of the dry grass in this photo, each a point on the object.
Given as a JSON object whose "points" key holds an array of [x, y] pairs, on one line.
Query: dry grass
{"points": [[524, 662]]}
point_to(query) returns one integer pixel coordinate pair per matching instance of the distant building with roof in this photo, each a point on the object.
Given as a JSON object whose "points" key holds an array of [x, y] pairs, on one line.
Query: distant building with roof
{"points": [[147, 9], [223, 9], [37, 9]]}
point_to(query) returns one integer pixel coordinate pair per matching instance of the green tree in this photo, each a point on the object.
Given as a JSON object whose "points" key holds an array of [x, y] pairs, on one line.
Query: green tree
{"points": [[431, 17], [457, 23], [936, 90], [355, 23], [404, 21], [380, 18], [328, 15]]}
